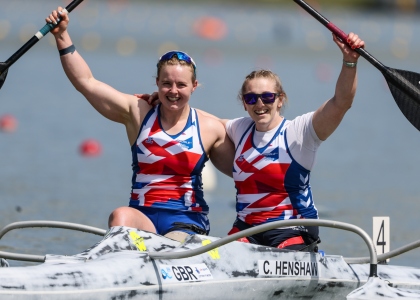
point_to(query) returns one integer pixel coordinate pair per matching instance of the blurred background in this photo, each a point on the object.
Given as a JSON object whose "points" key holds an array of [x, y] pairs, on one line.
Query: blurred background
{"points": [[61, 160]]}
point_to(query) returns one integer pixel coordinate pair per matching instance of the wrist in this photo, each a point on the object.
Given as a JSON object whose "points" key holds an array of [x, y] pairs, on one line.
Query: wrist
{"points": [[69, 49], [349, 64]]}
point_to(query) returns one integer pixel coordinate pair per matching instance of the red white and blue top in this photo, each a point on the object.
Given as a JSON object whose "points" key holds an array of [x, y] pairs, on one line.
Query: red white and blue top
{"points": [[167, 168], [272, 170]]}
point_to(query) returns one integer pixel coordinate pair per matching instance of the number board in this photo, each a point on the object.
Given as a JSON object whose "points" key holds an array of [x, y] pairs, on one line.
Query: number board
{"points": [[381, 235]]}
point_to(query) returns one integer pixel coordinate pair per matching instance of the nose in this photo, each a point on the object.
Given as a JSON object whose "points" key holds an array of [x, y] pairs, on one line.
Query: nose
{"points": [[259, 101], [173, 88]]}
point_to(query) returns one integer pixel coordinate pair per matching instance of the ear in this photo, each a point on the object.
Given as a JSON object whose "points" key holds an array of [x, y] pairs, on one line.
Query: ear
{"points": [[280, 103], [195, 85], [157, 81], [243, 103]]}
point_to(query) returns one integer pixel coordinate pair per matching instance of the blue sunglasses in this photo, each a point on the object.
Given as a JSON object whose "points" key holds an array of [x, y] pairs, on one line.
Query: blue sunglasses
{"points": [[266, 98], [180, 55]]}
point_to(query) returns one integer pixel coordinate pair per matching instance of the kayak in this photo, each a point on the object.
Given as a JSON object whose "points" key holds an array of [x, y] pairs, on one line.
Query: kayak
{"points": [[128, 263]]}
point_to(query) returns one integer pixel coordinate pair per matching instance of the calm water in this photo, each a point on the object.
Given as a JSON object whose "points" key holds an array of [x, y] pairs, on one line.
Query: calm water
{"points": [[369, 167]]}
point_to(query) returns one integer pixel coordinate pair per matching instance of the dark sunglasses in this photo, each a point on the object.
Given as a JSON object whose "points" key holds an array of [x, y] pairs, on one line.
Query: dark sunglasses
{"points": [[266, 98], [180, 55]]}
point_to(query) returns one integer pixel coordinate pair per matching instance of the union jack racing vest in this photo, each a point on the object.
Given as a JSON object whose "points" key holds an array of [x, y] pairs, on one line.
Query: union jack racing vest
{"points": [[271, 185], [167, 168]]}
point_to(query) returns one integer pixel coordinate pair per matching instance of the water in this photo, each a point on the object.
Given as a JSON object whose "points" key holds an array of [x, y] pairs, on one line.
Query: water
{"points": [[368, 167]]}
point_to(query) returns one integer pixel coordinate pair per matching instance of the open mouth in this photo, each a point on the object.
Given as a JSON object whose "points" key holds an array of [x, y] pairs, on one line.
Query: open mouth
{"points": [[261, 112], [173, 99]]}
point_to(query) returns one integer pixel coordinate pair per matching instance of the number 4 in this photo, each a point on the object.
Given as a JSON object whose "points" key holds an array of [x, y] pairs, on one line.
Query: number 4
{"points": [[381, 234]]}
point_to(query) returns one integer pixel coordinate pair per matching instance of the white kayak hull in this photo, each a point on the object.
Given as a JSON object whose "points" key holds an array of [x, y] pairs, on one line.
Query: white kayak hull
{"points": [[119, 267]]}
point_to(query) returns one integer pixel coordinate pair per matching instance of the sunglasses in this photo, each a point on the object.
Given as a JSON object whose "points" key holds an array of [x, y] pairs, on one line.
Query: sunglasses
{"points": [[180, 55], [266, 98]]}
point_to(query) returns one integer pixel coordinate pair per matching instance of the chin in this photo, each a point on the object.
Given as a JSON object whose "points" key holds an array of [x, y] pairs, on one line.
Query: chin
{"points": [[261, 119]]}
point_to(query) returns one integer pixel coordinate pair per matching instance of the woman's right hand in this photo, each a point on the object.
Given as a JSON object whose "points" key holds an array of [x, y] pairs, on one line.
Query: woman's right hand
{"points": [[54, 17]]}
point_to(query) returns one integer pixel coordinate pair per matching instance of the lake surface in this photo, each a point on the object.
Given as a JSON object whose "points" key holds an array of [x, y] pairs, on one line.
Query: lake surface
{"points": [[368, 167]]}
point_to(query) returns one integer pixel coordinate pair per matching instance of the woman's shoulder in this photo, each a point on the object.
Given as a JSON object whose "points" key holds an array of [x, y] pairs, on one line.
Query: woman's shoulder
{"points": [[209, 124], [302, 129], [203, 114], [240, 122], [302, 119], [235, 128]]}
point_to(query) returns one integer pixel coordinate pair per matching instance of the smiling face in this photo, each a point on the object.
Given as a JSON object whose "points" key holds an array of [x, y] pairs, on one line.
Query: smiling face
{"points": [[175, 86], [266, 116]]}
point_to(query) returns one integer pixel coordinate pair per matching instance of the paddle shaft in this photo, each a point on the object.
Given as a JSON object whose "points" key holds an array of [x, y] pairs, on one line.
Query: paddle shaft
{"points": [[391, 75], [340, 34], [39, 35]]}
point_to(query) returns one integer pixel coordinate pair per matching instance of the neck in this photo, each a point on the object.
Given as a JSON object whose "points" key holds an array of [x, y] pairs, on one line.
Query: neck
{"points": [[170, 118], [263, 127]]}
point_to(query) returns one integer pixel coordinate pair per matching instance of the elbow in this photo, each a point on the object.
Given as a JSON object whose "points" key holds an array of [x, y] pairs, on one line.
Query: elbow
{"points": [[79, 88], [343, 103], [348, 106], [84, 86]]}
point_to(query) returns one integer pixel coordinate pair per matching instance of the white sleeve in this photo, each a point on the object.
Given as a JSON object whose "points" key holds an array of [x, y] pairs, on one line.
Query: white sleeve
{"points": [[235, 128], [302, 140]]}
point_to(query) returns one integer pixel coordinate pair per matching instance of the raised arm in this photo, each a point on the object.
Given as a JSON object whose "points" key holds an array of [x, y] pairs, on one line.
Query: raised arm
{"points": [[327, 118], [112, 104]]}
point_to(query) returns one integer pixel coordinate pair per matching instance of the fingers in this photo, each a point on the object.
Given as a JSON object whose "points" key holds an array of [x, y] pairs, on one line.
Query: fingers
{"points": [[152, 99], [348, 47], [51, 19], [56, 16], [143, 96], [354, 41]]}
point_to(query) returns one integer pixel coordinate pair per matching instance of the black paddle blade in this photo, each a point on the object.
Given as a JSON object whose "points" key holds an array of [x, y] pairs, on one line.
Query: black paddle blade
{"points": [[405, 88], [3, 73]]}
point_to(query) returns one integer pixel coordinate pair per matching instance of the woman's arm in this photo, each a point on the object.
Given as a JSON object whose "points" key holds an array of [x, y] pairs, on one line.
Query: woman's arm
{"points": [[111, 103], [327, 118]]}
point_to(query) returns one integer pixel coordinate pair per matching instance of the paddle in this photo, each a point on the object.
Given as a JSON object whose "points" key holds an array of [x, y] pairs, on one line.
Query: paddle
{"points": [[4, 66], [404, 85]]}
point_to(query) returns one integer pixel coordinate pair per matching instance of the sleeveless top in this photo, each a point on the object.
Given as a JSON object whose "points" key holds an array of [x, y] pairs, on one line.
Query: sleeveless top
{"points": [[167, 168], [271, 185]]}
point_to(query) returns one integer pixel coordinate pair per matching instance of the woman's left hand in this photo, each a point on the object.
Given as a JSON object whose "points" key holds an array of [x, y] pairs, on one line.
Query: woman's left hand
{"points": [[152, 99], [353, 42]]}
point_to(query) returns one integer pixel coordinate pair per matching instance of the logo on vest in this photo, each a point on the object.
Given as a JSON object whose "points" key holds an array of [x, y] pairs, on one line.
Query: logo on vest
{"points": [[186, 144], [273, 155]]}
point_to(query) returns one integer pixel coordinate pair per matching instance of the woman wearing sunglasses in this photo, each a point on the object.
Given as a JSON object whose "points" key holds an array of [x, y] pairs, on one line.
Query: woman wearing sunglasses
{"points": [[274, 156], [170, 142]]}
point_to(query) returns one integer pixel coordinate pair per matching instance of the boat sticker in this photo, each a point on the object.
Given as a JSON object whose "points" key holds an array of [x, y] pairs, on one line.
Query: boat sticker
{"points": [[138, 241], [187, 273], [214, 253], [287, 268]]}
